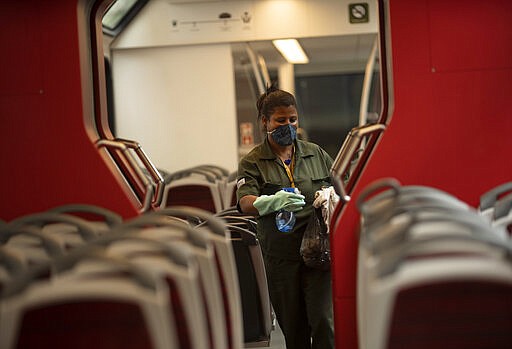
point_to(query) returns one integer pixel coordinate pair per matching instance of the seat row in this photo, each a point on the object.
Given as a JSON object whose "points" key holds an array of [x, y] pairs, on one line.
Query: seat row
{"points": [[432, 272], [155, 281]]}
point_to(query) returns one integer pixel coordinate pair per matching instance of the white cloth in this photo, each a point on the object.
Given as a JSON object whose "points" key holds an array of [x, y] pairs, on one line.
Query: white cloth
{"points": [[327, 199]]}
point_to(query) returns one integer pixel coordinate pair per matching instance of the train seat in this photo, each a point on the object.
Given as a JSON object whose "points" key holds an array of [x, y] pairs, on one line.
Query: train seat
{"points": [[216, 231], [177, 266], [454, 300], [413, 263], [221, 175], [194, 188], [169, 231], [203, 186], [489, 199], [91, 301], [256, 308]]}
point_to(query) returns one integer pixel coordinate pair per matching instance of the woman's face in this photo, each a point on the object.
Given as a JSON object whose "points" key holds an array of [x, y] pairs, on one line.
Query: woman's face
{"points": [[281, 116]]}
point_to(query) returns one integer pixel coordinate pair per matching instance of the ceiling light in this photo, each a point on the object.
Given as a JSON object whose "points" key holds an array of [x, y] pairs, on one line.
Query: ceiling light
{"points": [[291, 50]]}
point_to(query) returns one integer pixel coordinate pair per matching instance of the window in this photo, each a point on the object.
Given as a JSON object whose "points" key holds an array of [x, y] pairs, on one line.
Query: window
{"points": [[329, 106], [119, 14]]}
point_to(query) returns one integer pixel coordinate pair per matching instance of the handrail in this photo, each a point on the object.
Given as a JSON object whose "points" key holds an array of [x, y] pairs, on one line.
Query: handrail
{"points": [[216, 224], [219, 171], [174, 252], [187, 172], [110, 218], [245, 235], [10, 260], [347, 151], [379, 203], [377, 187], [489, 198], [367, 83], [150, 167], [392, 262], [193, 236], [68, 261], [149, 189], [254, 65], [502, 207], [463, 219], [49, 243], [40, 219], [263, 70]]}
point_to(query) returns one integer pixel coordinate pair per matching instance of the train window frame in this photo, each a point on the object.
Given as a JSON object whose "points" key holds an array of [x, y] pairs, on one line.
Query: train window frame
{"points": [[127, 14], [103, 130]]}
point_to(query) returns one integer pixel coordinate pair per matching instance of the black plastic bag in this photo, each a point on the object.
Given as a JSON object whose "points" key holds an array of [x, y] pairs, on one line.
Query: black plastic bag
{"points": [[315, 247]]}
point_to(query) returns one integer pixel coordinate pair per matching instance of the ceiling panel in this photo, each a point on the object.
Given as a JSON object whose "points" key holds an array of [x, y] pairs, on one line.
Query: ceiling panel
{"points": [[347, 51]]}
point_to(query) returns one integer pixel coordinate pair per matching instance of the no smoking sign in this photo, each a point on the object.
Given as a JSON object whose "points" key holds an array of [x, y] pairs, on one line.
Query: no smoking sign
{"points": [[358, 13]]}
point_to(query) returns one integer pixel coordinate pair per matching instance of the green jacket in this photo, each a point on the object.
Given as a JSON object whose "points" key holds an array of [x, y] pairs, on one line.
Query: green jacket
{"points": [[261, 172]]}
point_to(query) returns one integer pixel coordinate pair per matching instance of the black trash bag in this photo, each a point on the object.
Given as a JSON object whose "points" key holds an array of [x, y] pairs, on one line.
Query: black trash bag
{"points": [[315, 247]]}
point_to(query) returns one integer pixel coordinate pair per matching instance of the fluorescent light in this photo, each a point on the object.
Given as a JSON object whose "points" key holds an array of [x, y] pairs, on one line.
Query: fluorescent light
{"points": [[291, 50]]}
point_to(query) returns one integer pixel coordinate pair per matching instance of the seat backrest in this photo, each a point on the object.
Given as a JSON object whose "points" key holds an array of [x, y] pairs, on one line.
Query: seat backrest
{"points": [[452, 314], [194, 192], [256, 308], [177, 266], [92, 301], [230, 191], [421, 272], [217, 233], [170, 231]]}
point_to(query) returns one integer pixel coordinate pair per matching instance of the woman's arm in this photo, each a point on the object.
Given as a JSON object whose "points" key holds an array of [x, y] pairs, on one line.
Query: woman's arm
{"points": [[265, 204], [246, 205]]}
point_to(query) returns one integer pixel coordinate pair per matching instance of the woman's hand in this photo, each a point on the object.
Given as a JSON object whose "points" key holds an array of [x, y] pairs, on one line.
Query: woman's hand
{"points": [[266, 204]]}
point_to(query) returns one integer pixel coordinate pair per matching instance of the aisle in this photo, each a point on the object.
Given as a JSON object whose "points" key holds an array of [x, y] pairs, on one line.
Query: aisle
{"points": [[277, 339]]}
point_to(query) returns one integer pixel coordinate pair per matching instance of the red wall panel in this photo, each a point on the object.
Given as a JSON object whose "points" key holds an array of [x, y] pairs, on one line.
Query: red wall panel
{"points": [[47, 157], [470, 36], [451, 121]]}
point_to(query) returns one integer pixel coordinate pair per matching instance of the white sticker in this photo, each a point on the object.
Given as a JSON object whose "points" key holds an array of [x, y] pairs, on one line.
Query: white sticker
{"points": [[240, 182]]}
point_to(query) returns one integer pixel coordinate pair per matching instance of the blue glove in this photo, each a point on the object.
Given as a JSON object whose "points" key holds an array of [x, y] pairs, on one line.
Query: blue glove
{"points": [[281, 200]]}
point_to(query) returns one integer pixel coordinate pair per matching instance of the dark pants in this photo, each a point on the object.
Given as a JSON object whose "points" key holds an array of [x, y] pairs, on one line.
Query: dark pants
{"points": [[302, 300]]}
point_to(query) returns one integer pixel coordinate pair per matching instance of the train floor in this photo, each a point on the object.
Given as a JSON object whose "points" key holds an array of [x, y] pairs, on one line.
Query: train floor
{"points": [[277, 339]]}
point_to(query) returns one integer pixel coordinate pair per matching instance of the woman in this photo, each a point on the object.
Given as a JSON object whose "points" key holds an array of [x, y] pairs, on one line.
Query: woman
{"points": [[301, 296]]}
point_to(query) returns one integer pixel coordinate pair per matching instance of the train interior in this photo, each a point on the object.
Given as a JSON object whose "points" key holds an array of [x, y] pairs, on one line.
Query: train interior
{"points": [[123, 122]]}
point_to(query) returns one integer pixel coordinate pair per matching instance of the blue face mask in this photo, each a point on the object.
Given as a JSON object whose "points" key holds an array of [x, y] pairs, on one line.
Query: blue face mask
{"points": [[284, 135]]}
